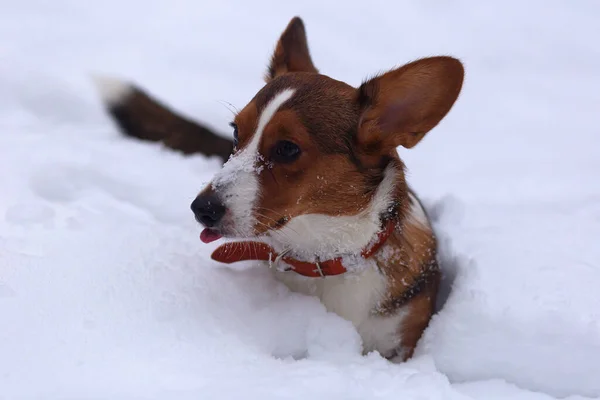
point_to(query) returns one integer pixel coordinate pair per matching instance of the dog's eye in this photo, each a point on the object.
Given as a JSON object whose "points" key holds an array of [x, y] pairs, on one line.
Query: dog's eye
{"points": [[235, 134], [285, 152]]}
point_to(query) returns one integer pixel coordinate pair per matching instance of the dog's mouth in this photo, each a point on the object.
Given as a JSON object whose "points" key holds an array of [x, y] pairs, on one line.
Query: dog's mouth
{"points": [[226, 229], [209, 235]]}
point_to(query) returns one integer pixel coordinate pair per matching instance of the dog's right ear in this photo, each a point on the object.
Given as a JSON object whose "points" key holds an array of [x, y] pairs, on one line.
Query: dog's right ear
{"points": [[291, 53]]}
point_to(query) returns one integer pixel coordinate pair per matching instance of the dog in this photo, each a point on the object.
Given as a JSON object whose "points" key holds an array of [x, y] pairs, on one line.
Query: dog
{"points": [[313, 187]]}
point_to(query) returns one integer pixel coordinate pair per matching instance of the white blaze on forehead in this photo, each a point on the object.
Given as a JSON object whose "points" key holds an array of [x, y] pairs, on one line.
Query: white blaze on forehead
{"points": [[237, 182], [267, 114]]}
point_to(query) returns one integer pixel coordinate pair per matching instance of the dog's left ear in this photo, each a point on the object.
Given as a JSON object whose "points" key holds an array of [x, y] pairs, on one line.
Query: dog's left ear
{"points": [[401, 106], [291, 53]]}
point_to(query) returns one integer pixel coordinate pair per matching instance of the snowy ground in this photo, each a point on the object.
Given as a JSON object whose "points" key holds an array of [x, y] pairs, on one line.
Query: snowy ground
{"points": [[107, 293]]}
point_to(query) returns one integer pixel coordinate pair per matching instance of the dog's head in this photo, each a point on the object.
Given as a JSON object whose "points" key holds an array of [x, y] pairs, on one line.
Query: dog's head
{"points": [[315, 164]]}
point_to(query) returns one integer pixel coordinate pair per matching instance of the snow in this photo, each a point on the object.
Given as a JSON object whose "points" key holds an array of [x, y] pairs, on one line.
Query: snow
{"points": [[106, 291]]}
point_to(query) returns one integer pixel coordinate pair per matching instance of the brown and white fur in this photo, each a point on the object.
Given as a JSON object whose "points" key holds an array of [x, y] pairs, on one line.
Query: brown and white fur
{"points": [[328, 199]]}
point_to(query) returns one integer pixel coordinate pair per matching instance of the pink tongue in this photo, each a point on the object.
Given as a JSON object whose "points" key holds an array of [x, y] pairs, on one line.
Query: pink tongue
{"points": [[208, 235]]}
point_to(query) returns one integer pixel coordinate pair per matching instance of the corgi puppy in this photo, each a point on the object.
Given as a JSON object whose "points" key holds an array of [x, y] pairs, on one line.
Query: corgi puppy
{"points": [[313, 187]]}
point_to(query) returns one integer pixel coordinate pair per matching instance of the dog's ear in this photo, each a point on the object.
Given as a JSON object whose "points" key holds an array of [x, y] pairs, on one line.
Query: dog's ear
{"points": [[291, 53], [401, 106]]}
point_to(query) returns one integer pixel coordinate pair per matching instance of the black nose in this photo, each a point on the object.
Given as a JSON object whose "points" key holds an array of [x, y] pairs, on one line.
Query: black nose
{"points": [[208, 210]]}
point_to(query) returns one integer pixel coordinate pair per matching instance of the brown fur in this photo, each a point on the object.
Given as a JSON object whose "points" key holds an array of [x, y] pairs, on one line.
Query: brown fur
{"points": [[321, 118], [143, 117], [408, 261], [291, 52], [348, 137], [421, 309], [402, 105]]}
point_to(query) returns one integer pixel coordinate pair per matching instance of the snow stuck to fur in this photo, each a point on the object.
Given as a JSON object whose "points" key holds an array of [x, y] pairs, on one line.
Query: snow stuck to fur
{"points": [[237, 182], [107, 293]]}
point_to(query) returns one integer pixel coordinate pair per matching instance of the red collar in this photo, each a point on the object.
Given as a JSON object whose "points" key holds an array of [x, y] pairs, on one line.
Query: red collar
{"points": [[242, 251]]}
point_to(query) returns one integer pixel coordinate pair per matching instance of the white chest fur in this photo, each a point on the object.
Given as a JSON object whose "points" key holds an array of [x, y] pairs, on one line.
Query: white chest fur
{"points": [[354, 297]]}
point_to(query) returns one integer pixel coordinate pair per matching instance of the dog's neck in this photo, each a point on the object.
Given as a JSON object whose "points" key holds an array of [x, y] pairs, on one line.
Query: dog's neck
{"points": [[312, 236], [402, 246], [252, 250]]}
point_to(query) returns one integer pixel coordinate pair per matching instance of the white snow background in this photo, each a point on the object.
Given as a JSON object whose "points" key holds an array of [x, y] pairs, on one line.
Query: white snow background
{"points": [[106, 291]]}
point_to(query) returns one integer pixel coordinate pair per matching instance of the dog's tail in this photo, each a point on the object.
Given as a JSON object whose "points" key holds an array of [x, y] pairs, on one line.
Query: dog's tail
{"points": [[139, 115]]}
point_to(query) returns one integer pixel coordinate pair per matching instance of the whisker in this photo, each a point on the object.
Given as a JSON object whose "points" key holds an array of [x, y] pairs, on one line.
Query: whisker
{"points": [[255, 246], [273, 220], [229, 106], [284, 235]]}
